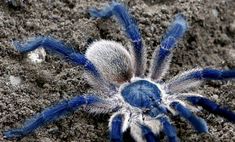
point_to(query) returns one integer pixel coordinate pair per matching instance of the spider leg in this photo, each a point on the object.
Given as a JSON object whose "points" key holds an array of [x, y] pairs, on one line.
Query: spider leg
{"points": [[168, 129], [212, 107], [58, 47], [145, 129], [129, 26], [195, 77], [198, 123], [162, 56], [51, 114], [159, 112], [116, 127], [148, 134]]}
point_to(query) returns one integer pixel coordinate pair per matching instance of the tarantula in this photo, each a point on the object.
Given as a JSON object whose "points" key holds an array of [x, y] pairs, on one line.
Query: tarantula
{"points": [[141, 103]]}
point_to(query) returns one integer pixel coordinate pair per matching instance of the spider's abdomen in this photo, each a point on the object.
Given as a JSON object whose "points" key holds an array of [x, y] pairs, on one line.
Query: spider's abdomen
{"points": [[112, 60], [141, 93]]}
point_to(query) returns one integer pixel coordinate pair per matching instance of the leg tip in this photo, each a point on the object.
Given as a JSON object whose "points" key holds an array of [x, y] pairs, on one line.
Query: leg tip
{"points": [[93, 12], [181, 19], [17, 45], [202, 129], [12, 134], [29, 45], [180, 16]]}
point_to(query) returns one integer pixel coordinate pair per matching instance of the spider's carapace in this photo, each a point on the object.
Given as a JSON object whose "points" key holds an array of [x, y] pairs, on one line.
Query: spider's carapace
{"points": [[141, 93]]}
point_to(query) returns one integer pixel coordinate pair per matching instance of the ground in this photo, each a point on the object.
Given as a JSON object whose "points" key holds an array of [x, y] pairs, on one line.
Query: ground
{"points": [[210, 41]]}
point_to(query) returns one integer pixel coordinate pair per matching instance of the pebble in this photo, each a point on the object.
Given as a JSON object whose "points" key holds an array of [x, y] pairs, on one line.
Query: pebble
{"points": [[224, 39], [232, 53], [164, 10], [215, 97], [215, 12], [45, 140], [14, 80], [37, 56], [232, 27]]}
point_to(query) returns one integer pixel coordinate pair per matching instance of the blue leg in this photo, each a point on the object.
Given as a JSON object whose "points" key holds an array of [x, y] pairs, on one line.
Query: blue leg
{"points": [[56, 46], [162, 56], [116, 128], [194, 77], [212, 107], [198, 123], [129, 26], [60, 48], [211, 74], [149, 135], [49, 115], [169, 130]]}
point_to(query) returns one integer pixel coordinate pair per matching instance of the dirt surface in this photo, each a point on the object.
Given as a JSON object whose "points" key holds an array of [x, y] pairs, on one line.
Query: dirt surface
{"points": [[210, 41]]}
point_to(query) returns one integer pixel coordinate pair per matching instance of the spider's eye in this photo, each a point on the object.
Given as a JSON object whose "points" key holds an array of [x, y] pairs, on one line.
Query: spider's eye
{"points": [[112, 60]]}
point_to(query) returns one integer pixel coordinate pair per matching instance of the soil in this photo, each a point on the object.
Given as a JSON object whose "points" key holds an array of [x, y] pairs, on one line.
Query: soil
{"points": [[210, 41]]}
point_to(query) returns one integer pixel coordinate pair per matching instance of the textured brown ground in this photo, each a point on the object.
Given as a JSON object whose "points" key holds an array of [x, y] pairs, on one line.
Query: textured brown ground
{"points": [[210, 41]]}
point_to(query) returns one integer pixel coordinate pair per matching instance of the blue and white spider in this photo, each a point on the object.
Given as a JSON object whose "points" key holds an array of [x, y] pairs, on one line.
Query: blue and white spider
{"points": [[141, 103]]}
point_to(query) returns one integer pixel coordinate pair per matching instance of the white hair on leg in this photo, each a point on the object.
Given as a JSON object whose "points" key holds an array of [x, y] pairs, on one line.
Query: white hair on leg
{"points": [[182, 82], [184, 95], [126, 117], [102, 107], [104, 86], [112, 60], [126, 122], [180, 98], [139, 58], [153, 124], [158, 71], [186, 105], [136, 132]]}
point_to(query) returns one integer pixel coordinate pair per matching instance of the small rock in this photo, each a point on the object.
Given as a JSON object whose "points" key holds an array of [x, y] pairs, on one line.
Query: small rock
{"points": [[45, 140], [232, 27], [232, 53], [37, 56], [215, 97], [46, 85], [164, 10], [14, 80], [224, 39], [215, 12]]}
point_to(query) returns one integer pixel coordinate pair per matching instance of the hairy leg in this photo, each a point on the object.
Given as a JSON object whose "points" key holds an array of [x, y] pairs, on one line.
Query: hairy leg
{"points": [[198, 123], [130, 27], [148, 134], [168, 129], [116, 127], [145, 129], [69, 53], [51, 114], [212, 107], [195, 77], [162, 56]]}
